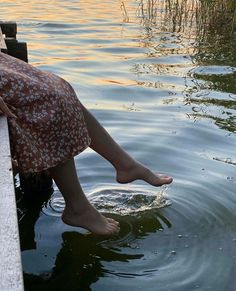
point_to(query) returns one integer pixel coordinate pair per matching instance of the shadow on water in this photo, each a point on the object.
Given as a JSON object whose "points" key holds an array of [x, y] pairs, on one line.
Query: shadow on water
{"points": [[78, 264], [78, 258]]}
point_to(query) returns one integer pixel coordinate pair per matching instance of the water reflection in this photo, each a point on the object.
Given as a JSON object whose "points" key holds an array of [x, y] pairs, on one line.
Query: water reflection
{"points": [[209, 108], [76, 260], [200, 26], [189, 16], [78, 264]]}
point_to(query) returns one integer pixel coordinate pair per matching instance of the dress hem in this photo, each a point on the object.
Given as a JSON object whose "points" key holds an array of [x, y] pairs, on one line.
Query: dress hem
{"points": [[45, 168]]}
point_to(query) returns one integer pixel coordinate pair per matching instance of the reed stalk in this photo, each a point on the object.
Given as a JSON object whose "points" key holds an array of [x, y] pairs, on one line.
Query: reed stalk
{"points": [[202, 16]]}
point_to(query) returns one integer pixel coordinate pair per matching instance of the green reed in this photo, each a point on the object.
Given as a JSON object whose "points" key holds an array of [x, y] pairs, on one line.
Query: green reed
{"points": [[217, 15], [202, 16]]}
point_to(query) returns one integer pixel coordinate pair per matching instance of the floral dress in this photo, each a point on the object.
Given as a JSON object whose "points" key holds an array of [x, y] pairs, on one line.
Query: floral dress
{"points": [[50, 126]]}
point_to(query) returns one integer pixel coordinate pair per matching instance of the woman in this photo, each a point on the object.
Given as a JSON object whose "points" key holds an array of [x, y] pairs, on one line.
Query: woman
{"points": [[49, 126]]}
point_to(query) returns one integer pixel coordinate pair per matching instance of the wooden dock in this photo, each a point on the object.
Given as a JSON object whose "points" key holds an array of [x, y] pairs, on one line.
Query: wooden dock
{"points": [[11, 278]]}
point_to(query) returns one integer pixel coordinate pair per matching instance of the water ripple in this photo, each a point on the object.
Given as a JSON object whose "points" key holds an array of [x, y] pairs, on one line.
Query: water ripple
{"points": [[114, 200]]}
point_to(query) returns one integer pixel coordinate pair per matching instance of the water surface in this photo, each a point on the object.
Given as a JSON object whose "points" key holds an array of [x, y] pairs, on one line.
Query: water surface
{"points": [[168, 96]]}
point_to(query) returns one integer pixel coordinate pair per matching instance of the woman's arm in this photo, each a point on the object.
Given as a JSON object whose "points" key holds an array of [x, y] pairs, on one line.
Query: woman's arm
{"points": [[5, 110]]}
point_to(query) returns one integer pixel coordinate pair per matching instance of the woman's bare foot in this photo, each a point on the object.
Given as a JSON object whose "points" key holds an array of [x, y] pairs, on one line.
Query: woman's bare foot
{"points": [[91, 220], [137, 171]]}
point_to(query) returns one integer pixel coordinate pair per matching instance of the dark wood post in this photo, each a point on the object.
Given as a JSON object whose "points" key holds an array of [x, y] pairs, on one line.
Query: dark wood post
{"points": [[14, 47]]}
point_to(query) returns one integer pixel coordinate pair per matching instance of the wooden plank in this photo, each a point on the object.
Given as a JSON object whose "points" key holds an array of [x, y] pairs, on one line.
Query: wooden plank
{"points": [[11, 278], [2, 42]]}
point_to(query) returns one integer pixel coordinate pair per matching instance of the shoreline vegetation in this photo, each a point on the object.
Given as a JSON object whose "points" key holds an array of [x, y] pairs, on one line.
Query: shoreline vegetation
{"points": [[198, 17]]}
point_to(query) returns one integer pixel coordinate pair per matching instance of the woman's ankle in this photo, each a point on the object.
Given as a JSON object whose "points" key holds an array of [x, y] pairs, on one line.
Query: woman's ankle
{"points": [[77, 208], [126, 165]]}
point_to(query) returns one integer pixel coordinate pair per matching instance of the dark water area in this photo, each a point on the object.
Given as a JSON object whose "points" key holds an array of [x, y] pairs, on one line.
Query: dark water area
{"points": [[164, 86]]}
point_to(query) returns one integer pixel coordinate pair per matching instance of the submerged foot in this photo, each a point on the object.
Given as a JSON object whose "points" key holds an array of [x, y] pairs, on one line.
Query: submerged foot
{"points": [[91, 220], [139, 172]]}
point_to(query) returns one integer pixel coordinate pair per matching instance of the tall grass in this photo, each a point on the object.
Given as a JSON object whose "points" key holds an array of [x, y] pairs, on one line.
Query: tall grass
{"points": [[198, 16], [217, 16]]}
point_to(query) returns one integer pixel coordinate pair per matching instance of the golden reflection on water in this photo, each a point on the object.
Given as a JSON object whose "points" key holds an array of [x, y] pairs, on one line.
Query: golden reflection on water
{"points": [[55, 14], [176, 15], [185, 17], [54, 10]]}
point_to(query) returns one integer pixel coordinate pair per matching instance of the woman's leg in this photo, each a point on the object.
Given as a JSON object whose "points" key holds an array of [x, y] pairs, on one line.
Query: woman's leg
{"points": [[78, 211], [126, 167]]}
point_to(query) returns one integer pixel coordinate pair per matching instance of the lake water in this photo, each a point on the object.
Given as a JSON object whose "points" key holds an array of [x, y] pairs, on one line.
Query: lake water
{"points": [[166, 92]]}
